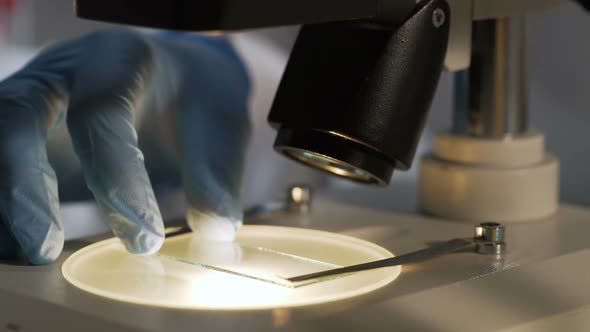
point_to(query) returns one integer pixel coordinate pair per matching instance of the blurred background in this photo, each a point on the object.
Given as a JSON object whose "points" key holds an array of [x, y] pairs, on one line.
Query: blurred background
{"points": [[559, 52]]}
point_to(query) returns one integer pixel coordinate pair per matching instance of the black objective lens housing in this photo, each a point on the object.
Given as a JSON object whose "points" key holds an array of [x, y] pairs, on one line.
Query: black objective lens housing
{"points": [[354, 97]]}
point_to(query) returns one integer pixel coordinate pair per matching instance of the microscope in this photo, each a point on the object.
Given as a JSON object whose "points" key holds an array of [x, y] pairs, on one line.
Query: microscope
{"points": [[360, 80], [353, 102]]}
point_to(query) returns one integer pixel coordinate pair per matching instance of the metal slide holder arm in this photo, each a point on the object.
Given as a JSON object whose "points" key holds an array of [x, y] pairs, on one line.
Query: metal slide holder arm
{"points": [[489, 239]]}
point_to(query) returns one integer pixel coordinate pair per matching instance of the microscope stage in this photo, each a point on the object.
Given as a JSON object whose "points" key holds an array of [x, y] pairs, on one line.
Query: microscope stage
{"points": [[189, 273], [540, 282]]}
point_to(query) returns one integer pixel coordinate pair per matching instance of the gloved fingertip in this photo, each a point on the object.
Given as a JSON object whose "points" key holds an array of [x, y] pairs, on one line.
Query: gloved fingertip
{"points": [[139, 235], [145, 247], [44, 254], [212, 226], [36, 227], [144, 244]]}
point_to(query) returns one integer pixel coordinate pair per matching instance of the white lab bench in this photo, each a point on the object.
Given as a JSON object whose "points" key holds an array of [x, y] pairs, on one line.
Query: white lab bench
{"points": [[540, 282]]}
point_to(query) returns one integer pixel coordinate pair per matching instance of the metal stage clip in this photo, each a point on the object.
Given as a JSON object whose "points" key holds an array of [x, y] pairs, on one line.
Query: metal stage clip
{"points": [[488, 239]]}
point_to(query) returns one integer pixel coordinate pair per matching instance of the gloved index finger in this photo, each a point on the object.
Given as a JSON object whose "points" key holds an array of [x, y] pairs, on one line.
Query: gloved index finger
{"points": [[110, 84]]}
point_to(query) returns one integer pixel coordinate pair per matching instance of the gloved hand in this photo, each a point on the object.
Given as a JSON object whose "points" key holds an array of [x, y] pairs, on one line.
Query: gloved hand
{"points": [[192, 89]]}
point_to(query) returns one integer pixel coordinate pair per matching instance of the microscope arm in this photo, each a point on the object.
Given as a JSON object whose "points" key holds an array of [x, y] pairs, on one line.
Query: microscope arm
{"points": [[206, 15]]}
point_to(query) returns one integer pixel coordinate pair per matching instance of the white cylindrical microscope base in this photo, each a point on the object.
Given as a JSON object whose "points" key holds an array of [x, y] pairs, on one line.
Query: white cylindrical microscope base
{"points": [[474, 180]]}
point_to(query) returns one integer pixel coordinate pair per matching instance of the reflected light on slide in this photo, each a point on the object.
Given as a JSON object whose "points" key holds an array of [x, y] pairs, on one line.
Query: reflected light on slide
{"points": [[219, 290]]}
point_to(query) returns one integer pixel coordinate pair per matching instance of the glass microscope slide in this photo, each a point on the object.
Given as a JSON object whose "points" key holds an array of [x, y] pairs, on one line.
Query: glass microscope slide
{"points": [[257, 263]]}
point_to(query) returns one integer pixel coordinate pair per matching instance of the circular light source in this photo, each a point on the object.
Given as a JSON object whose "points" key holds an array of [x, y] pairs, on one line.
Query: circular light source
{"points": [[106, 269]]}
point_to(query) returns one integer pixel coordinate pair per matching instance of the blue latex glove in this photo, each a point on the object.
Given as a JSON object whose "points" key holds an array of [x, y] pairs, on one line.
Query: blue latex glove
{"points": [[192, 89]]}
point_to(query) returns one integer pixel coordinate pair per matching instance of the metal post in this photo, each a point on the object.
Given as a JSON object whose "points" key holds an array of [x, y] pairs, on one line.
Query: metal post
{"points": [[491, 96]]}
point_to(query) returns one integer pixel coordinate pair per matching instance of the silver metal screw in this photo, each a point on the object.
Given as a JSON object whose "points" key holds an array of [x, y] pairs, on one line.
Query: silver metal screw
{"points": [[492, 236], [299, 199], [438, 18]]}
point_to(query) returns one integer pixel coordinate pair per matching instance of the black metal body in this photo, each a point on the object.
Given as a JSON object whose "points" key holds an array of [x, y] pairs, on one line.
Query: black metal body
{"points": [[585, 4], [201, 15], [361, 94]]}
